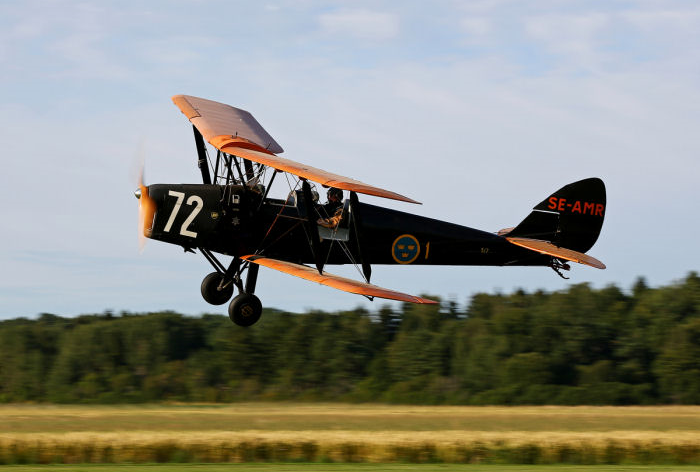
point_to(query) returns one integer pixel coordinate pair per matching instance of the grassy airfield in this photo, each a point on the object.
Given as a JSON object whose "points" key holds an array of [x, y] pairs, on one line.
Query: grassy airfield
{"points": [[277, 467], [331, 435]]}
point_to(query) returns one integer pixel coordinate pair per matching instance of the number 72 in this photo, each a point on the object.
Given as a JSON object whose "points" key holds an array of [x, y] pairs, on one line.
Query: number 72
{"points": [[194, 199]]}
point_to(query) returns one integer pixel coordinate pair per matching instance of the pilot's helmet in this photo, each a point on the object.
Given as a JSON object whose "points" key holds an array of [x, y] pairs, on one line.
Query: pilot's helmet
{"points": [[334, 192]]}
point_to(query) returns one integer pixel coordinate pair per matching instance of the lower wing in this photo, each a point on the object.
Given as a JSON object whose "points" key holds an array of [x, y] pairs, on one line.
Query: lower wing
{"points": [[335, 281]]}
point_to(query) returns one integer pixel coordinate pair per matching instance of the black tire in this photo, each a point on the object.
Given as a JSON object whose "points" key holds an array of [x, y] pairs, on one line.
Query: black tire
{"points": [[211, 292], [245, 309]]}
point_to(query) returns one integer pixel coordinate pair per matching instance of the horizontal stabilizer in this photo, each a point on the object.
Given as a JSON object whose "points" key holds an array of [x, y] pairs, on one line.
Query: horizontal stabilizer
{"points": [[335, 281], [235, 131], [545, 247]]}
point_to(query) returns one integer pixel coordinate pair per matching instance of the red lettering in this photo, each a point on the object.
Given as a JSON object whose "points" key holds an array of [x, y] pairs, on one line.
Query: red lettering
{"points": [[586, 208]]}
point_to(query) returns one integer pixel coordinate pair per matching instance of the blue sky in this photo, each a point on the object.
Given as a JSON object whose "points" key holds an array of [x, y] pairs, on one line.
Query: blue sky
{"points": [[478, 109]]}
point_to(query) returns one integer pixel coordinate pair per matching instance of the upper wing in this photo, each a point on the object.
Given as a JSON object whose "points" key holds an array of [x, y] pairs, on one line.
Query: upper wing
{"points": [[218, 122], [235, 131], [307, 172], [335, 281], [545, 247]]}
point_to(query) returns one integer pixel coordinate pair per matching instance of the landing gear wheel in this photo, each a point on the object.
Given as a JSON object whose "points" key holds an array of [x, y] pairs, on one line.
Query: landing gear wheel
{"points": [[245, 309], [211, 292]]}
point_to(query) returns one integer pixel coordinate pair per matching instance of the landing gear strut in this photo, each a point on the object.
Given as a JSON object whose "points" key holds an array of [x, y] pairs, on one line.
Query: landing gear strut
{"points": [[217, 288], [245, 308]]}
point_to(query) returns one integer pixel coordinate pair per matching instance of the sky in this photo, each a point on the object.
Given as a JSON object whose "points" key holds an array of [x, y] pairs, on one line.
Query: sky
{"points": [[478, 109]]}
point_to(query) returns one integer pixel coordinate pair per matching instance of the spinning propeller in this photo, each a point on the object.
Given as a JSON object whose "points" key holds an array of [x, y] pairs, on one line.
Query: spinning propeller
{"points": [[147, 210]]}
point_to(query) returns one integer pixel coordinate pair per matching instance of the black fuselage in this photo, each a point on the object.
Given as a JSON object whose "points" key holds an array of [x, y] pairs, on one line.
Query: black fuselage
{"points": [[236, 221]]}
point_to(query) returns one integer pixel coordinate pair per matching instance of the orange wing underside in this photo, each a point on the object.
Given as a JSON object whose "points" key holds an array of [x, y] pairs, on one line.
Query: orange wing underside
{"points": [[545, 247], [236, 132], [311, 173], [335, 281]]}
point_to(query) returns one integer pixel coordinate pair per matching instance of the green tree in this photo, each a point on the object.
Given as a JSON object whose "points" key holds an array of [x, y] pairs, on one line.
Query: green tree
{"points": [[678, 366]]}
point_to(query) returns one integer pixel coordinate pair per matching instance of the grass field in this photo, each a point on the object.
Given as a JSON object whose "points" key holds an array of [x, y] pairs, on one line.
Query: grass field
{"points": [[350, 417], [340, 433], [281, 467]]}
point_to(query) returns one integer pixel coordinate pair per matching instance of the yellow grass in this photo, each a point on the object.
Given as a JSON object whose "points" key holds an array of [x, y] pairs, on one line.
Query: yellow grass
{"points": [[348, 433], [294, 416]]}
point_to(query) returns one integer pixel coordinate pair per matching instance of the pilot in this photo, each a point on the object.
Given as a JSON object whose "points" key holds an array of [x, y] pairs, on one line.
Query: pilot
{"points": [[335, 200], [332, 211]]}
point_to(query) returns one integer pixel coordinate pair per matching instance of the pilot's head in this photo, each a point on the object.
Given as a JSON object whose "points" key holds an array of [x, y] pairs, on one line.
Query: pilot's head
{"points": [[334, 195]]}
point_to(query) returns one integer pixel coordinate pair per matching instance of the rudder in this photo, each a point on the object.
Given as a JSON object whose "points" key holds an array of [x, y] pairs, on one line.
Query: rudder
{"points": [[571, 217]]}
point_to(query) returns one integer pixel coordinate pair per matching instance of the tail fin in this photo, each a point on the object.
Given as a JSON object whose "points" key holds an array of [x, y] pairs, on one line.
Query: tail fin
{"points": [[571, 217]]}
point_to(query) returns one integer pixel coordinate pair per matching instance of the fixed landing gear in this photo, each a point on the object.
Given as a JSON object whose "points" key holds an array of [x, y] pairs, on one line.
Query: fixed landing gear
{"points": [[217, 288], [245, 309]]}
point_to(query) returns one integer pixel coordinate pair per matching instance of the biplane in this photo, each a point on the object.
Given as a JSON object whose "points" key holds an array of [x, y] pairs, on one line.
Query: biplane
{"points": [[231, 213]]}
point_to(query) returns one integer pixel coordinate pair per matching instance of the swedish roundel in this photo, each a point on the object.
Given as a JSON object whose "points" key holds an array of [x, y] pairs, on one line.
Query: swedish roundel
{"points": [[405, 249]]}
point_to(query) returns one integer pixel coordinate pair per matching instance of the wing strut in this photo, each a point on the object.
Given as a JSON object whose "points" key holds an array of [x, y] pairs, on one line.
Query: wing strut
{"points": [[359, 234], [202, 153], [311, 228], [249, 172], [238, 168]]}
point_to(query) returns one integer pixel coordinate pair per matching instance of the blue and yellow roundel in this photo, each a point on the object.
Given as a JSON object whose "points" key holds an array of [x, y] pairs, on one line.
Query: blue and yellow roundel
{"points": [[405, 249]]}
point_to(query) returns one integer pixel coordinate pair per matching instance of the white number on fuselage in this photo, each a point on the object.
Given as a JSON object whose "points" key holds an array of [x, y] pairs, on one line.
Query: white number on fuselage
{"points": [[194, 199]]}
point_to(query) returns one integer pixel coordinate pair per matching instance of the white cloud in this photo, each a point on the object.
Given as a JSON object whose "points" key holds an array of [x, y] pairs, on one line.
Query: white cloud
{"points": [[477, 29], [360, 24], [62, 39], [668, 20], [575, 38]]}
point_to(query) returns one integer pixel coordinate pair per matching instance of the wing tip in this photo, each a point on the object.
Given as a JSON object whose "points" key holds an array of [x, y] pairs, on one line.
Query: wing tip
{"points": [[426, 301], [185, 106]]}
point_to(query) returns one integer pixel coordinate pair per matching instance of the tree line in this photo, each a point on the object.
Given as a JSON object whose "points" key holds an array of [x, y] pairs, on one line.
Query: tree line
{"points": [[577, 346]]}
